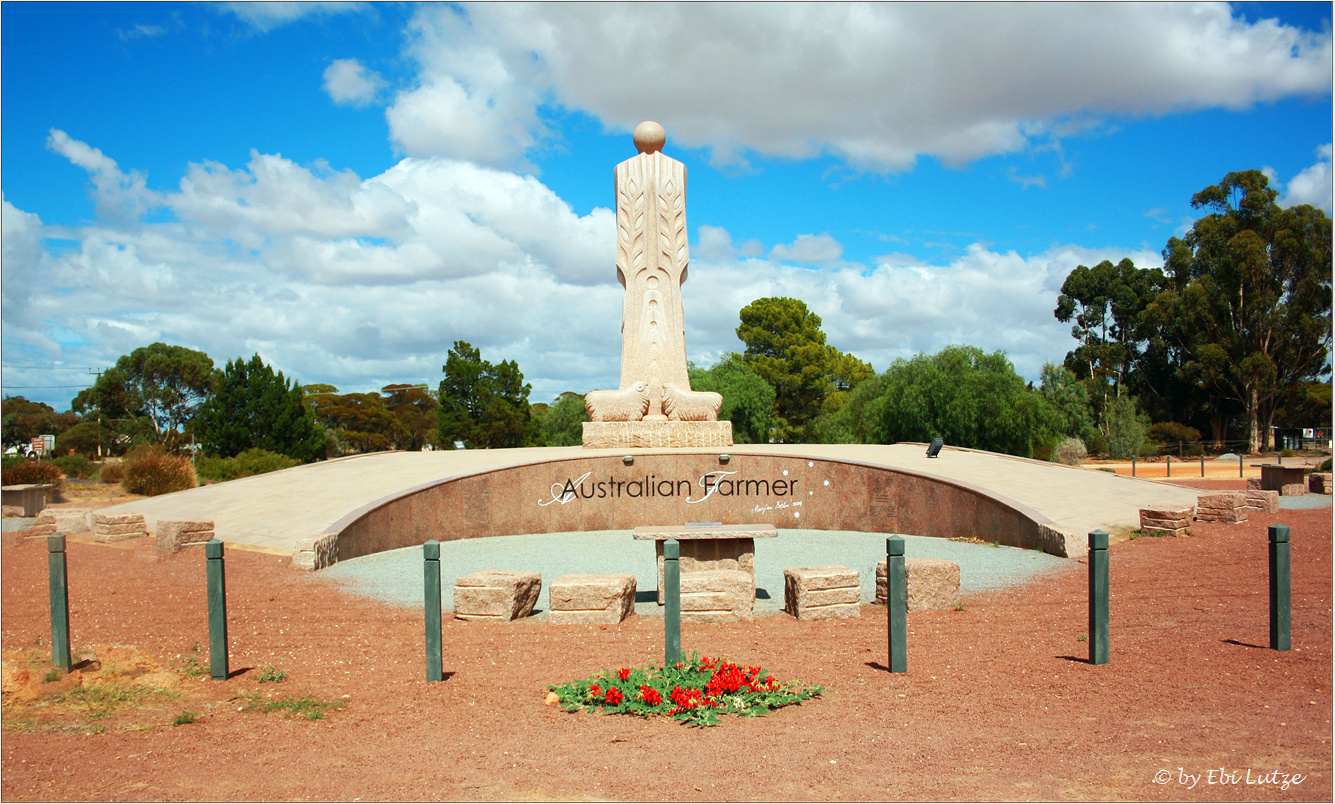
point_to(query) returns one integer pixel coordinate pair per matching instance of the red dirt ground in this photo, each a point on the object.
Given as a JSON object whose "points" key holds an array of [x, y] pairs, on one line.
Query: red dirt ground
{"points": [[999, 702]]}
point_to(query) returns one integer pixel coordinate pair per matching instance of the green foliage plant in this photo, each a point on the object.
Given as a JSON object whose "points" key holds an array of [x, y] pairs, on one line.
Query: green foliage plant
{"points": [[111, 472], [1124, 427], [306, 707], [563, 422], [272, 675], [151, 394], [254, 407], [696, 692], [76, 466], [1071, 451], [748, 400], [185, 718], [253, 461], [29, 471], [484, 405], [151, 472]]}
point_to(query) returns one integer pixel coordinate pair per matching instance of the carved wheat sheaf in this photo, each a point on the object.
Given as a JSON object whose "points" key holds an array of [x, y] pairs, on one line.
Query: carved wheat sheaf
{"points": [[672, 225], [631, 201]]}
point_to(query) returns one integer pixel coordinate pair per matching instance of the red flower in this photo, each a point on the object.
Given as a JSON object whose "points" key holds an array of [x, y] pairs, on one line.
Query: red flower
{"points": [[650, 695], [613, 697], [624, 673]]}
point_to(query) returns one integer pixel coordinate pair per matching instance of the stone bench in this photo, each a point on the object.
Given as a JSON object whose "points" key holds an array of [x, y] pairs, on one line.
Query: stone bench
{"points": [[591, 598], [717, 596], [1168, 521], [931, 583], [31, 497], [706, 548], [1222, 506], [117, 527], [501, 595], [176, 535], [828, 592]]}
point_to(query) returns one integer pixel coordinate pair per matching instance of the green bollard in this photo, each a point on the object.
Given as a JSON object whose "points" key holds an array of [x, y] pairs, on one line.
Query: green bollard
{"points": [[896, 604], [1169, 466], [1133, 465], [1239, 466], [60, 603], [1098, 597], [213, 551], [431, 595], [1280, 609], [672, 603]]}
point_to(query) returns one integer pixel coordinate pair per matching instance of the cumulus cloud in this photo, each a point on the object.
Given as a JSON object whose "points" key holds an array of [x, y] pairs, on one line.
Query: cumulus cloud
{"points": [[876, 85], [117, 194], [348, 81], [1313, 185], [809, 248], [265, 16]]}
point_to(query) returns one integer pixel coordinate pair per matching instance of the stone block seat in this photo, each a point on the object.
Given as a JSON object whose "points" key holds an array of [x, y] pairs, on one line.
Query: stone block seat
{"points": [[502, 595], [828, 592], [717, 596], [591, 598], [708, 547], [931, 583]]}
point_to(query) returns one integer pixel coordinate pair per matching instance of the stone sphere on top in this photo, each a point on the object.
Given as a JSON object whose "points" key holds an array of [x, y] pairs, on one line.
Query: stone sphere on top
{"points": [[649, 137]]}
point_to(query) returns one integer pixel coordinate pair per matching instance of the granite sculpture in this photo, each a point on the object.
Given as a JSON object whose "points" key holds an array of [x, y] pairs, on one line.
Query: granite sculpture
{"points": [[654, 405]]}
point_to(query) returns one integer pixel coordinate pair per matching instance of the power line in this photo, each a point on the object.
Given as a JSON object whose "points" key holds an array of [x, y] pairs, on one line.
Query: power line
{"points": [[34, 387], [49, 368]]}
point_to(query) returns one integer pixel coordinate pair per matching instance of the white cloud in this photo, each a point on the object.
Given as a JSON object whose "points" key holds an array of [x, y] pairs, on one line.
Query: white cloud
{"points": [[265, 16], [1313, 185], [809, 248], [348, 81], [117, 194], [875, 84]]}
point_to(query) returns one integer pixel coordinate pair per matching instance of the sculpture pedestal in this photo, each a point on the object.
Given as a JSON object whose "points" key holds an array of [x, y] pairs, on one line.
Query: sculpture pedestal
{"points": [[607, 435]]}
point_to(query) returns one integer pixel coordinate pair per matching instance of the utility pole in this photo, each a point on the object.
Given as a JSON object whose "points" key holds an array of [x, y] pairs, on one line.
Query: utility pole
{"points": [[98, 372]]}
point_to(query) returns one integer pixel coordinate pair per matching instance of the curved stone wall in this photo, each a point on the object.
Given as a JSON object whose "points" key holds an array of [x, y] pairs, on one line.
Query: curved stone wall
{"points": [[605, 493]]}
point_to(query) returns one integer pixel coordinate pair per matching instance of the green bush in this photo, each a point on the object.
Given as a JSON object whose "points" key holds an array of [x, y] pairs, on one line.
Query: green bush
{"points": [[1071, 452], [111, 472], [1286, 453], [154, 473], [76, 466], [1095, 443], [1173, 433], [253, 461], [1325, 466], [31, 472]]}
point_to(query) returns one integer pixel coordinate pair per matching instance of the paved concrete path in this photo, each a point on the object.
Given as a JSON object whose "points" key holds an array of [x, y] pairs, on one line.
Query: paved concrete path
{"points": [[275, 511]]}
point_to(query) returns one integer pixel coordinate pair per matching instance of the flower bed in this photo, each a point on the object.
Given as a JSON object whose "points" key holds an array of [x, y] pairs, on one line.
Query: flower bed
{"points": [[695, 692]]}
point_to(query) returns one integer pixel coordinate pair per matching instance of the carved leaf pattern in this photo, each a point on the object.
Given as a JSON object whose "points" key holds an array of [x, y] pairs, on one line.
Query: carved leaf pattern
{"points": [[672, 238], [630, 223]]}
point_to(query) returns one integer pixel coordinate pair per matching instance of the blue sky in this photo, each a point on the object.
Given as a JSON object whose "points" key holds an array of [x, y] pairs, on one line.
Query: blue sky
{"points": [[347, 189]]}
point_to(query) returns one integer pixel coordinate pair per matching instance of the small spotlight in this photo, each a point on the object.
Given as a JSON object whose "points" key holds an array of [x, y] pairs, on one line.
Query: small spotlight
{"points": [[628, 460], [936, 446], [724, 458]]}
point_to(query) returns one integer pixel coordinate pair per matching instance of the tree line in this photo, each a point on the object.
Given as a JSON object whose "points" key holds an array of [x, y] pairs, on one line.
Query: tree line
{"points": [[1232, 335]]}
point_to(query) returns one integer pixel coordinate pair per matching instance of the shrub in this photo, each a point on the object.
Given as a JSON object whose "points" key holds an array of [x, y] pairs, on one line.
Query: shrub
{"points": [[31, 472], [154, 473], [76, 466], [111, 472], [1325, 466], [1095, 443], [1286, 453], [1070, 451], [253, 461], [1173, 433]]}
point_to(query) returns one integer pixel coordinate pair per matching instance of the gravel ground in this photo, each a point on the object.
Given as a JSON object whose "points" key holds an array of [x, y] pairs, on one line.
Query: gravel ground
{"points": [[395, 576]]}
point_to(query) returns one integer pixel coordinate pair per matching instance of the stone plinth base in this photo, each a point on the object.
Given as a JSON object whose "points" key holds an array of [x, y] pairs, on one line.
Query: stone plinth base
{"points": [[316, 552], [118, 527], [591, 598], [717, 596], [175, 536], [1168, 521], [706, 548], [828, 592], [608, 435], [1222, 506], [1267, 502], [931, 583], [496, 595]]}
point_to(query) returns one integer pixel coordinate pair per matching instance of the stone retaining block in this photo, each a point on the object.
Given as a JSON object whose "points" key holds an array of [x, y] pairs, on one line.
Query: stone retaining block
{"points": [[176, 535], [1267, 502], [717, 596], [827, 592], [1222, 506], [117, 527], [1319, 482], [932, 583], [61, 520], [1292, 490], [1169, 521], [591, 598], [316, 552], [1253, 483], [502, 595]]}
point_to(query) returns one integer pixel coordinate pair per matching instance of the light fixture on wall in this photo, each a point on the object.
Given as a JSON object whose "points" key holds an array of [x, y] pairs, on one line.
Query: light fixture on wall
{"points": [[628, 460], [724, 458]]}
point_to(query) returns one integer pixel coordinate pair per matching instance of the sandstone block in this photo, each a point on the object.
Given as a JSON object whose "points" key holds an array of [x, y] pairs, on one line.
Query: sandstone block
{"points": [[1222, 506], [118, 527], [932, 583], [1253, 483], [175, 535], [827, 592], [1319, 482], [63, 520], [1292, 490], [316, 552], [1171, 521], [1263, 501], [591, 598], [496, 595], [717, 596]]}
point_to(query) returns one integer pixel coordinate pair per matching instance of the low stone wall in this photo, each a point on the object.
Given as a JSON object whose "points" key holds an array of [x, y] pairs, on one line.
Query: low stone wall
{"points": [[176, 535], [605, 493], [62, 520], [1266, 502]]}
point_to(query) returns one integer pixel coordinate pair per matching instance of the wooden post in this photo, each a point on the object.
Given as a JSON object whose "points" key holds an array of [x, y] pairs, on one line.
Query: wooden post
{"points": [[1280, 609], [217, 581], [1133, 465], [1098, 597], [672, 602], [1169, 467], [896, 604], [1202, 464], [431, 600], [60, 602]]}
